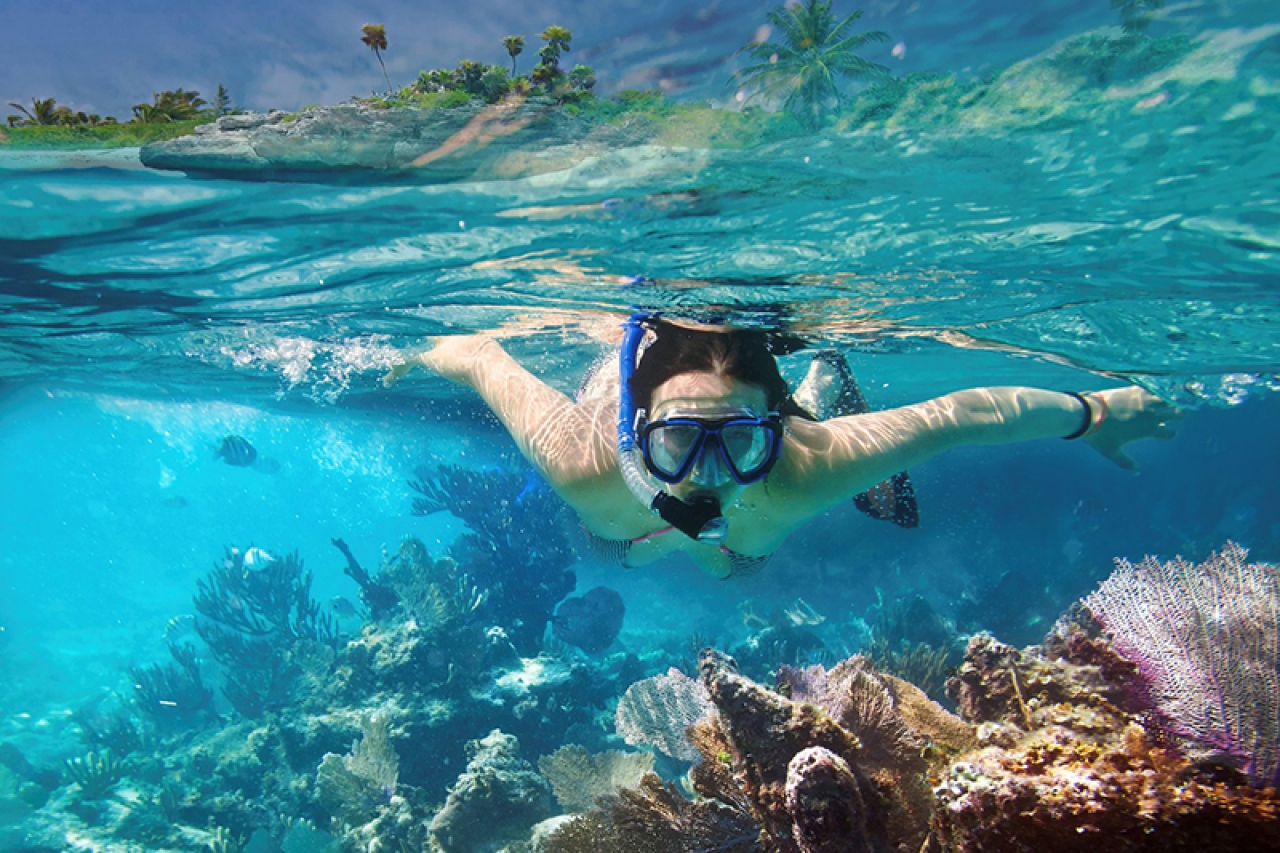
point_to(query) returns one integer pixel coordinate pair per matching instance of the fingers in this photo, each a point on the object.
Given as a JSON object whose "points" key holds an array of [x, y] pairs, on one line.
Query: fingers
{"points": [[1124, 460], [397, 372]]}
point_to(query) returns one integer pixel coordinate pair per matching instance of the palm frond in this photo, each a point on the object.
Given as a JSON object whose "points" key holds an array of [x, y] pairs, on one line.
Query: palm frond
{"points": [[838, 32], [793, 29]]}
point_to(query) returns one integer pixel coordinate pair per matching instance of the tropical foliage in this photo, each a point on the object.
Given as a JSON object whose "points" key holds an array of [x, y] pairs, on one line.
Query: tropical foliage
{"points": [[375, 36], [515, 47], [804, 66], [46, 112], [176, 105], [491, 83]]}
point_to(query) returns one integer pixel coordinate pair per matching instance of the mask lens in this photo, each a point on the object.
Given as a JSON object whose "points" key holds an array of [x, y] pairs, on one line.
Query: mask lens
{"points": [[671, 445], [748, 447]]}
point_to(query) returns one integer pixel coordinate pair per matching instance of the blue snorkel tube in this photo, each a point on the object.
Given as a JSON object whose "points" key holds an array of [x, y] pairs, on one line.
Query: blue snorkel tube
{"points": [[701, 519]]}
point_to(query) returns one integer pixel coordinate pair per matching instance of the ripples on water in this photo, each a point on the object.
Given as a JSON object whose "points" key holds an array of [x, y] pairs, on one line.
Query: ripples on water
{"points": [[1138, 241]]}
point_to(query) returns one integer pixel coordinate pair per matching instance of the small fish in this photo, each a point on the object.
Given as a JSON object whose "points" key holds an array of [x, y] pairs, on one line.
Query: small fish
{"points": [[257, 558], [343, 607], [899, 50], [236, 450], [179, 626]]}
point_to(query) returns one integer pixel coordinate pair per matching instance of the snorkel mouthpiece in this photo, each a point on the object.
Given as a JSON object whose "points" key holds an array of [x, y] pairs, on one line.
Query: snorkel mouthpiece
{"points": [[700, 517]]}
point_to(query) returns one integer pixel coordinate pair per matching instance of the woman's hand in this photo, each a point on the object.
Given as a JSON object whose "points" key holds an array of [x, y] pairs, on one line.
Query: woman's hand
{"points": [[1131, 413], [452, 356]]}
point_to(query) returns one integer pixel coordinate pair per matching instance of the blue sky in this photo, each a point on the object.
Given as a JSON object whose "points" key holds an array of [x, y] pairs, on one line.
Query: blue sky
{"points": [[106, 55]]}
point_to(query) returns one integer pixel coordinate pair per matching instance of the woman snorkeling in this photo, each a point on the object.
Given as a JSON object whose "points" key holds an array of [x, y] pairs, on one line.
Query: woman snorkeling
{"points": [[696, 443]]}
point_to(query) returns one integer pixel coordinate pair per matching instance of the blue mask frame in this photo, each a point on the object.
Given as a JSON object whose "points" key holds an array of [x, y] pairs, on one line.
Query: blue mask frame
{"points": [[710, 432]]}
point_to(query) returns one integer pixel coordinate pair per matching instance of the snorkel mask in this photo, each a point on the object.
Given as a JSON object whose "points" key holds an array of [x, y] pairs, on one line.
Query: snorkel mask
{"points": [[713, 448], [740, 446]]}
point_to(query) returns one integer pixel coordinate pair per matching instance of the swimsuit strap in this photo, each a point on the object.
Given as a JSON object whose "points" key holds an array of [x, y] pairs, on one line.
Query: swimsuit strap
{"points": [[616, 551]]}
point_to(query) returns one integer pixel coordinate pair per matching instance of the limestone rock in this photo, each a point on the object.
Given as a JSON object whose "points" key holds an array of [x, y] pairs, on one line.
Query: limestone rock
{"points": [[468, 142]]}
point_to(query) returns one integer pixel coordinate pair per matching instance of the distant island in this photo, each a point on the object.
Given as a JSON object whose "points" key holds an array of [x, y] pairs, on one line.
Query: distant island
{"points": [[480, 120]]}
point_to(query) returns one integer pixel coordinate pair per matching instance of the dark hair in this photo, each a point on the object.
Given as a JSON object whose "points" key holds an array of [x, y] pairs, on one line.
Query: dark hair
{"points": [[742, 354]]}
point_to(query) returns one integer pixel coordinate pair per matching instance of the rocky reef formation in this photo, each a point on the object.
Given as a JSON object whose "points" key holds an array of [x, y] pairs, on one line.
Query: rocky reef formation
{"points": [[1053, 751], [1070, 760], [421, 733], [841, 762], [474, 141], [497, 799]]}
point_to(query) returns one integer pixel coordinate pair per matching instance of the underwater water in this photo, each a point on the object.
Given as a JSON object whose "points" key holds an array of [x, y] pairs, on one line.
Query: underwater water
{"points": [[1044, 235]]}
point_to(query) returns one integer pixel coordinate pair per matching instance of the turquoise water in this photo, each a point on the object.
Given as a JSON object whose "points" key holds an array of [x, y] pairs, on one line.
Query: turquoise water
{"points": [[1131, 237]]}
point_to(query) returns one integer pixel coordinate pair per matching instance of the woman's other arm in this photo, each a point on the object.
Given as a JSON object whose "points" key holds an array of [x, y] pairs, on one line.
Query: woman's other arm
{"points": [[564, 441], [838, 458]]}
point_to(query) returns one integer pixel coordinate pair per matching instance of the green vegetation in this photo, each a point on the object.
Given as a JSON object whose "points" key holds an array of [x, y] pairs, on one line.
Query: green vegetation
{"points": [[443, 88], [802, 69], [1102, 59], [106, 135], [178, 105], [170, 114]]}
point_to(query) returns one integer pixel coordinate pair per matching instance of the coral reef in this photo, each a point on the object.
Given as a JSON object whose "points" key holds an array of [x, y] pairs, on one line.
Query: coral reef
{"points": [[515, 549], [841, 767], [1064, 766], [380, 743], [497, 799], [578, 778], [656, 712], [1206, 641], [257, 622]]}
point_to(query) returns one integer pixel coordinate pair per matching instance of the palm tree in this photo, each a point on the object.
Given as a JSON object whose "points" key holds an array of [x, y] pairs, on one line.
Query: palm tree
{"points": [[173, 105], [42, 112], [813, 52], [514, 46], [375, 35], [557, 39]]}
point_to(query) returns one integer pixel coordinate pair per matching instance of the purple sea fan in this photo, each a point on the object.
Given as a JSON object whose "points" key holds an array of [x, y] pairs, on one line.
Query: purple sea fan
{"points": [[1206, 641]]}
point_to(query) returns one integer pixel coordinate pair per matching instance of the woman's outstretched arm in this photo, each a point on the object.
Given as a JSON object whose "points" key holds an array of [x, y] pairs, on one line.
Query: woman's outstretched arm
{"points": [[564, 441], [836, 459]]}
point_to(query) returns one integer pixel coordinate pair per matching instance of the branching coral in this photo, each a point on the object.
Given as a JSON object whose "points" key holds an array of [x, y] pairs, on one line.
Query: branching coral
{"points": [[95, 773], [252, 619], [516, 550], [656, 818], [171, 694]]}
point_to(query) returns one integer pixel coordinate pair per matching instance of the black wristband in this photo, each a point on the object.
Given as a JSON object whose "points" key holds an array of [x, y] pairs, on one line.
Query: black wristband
{"points": [[1088, 416]]}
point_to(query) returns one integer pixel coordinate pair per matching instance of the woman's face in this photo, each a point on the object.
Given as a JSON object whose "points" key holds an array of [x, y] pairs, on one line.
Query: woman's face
{"points": [[709, 395]]}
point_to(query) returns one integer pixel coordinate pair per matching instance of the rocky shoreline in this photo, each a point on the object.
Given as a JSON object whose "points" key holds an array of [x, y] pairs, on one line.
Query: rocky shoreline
{"points": [[469, 142]]}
